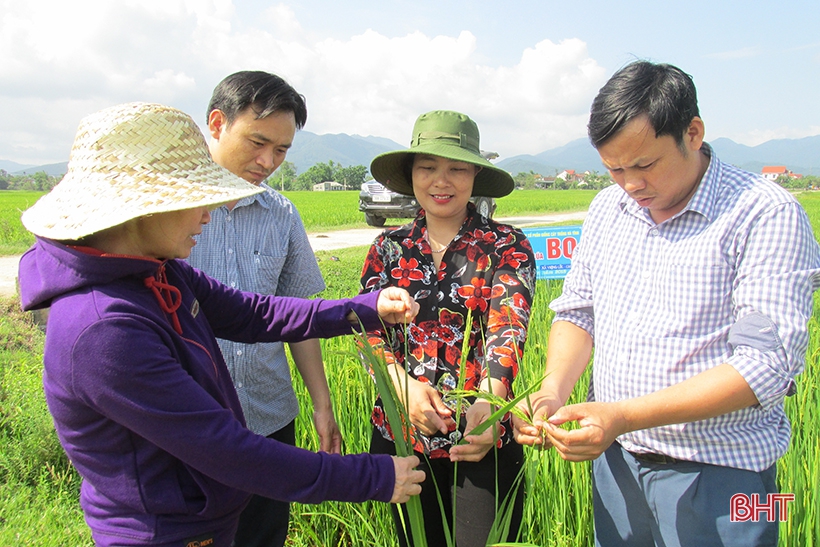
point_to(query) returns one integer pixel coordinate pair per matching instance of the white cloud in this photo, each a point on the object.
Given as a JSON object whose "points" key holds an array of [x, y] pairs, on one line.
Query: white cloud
{"points": [[60, 61]]}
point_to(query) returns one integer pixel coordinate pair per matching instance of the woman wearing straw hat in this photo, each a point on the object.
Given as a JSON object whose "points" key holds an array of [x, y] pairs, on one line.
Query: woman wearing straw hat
{"points": [[454, 261], [139, 391]]}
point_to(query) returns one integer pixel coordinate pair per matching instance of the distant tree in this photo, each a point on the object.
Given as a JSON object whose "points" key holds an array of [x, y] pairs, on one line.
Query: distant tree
{"points": [[284, 177], [526, 181], [562, 183], [320, 172], [351, 177], [811, 181], [4, 179], [597, 182], [39, 182], [791, 183]]}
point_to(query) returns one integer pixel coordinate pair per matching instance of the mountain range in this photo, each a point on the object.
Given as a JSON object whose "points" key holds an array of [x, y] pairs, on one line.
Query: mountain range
{"points": [[798, 155]]}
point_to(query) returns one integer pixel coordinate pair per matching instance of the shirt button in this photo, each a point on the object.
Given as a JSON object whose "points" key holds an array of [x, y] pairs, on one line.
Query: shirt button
{"points": [[230, 251], [233, 283], [238, 384], [228, 218], [653, 232], [239, 352], [646, 274]]}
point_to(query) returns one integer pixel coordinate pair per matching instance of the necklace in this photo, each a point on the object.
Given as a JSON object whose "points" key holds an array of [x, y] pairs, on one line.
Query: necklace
{"points": [[436, 251]]}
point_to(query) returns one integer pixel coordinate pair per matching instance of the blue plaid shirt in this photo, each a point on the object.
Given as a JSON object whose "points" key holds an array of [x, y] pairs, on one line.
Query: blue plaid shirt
{"points": [[727, 280], [260, 246]]}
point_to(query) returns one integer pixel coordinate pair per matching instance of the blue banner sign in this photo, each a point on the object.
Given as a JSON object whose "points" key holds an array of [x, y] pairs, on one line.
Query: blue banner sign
{"points": [[553, 249]]}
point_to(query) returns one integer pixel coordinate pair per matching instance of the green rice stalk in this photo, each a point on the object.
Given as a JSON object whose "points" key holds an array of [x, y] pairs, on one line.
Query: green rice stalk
{"points": [[399, 420], [462, 366], [503, 516]]}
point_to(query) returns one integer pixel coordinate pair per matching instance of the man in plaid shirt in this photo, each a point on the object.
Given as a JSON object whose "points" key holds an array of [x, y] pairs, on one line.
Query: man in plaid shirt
{"points": [[693, 280]]}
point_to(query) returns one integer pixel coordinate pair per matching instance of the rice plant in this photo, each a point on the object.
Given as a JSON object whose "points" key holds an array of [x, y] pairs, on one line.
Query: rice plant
{"points": [[14, 238], [39, 490]]}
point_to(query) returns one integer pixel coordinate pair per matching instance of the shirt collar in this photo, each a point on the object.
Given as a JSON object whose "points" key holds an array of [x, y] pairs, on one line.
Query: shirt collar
{"points": [[419, 226], [260, 198], [705, 199]]}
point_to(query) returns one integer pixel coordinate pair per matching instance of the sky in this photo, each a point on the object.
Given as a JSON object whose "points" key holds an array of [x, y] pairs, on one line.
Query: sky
{"points": [[525, 71]]}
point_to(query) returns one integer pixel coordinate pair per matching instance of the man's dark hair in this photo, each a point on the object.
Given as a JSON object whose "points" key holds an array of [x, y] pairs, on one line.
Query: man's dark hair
{"points": [[664, 93], [265, 93]]}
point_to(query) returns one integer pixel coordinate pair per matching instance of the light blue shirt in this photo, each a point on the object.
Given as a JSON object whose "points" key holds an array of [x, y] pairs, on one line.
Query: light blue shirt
{"points": [[260, 246], [727, 280]]}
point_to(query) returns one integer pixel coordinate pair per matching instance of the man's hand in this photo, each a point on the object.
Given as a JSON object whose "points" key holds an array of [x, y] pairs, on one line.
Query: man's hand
{"points": [[477, 445], [395, 305], [330, 438], [407, 479], [600, 424], [543, 404]]}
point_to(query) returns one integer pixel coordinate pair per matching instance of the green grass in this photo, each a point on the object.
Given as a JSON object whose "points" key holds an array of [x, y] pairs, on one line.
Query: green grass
{"points": [[39, 489]]}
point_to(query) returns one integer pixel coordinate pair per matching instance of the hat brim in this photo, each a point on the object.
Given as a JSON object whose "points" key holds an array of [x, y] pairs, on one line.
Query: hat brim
{"points": [[491, 181], [84, 203]]}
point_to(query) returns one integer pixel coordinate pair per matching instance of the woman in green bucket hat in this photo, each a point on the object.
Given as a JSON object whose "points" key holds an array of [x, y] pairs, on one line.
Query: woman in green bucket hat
{"points": [[455, 262]]}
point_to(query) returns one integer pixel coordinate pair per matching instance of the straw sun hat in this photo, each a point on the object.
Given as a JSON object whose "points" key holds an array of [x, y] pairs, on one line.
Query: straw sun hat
{"points": [[128, 161], [449, 135]]}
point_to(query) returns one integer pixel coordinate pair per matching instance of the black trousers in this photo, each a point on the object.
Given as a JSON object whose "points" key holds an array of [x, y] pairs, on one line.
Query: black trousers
{"points": [[474, 494], [264, 522]]}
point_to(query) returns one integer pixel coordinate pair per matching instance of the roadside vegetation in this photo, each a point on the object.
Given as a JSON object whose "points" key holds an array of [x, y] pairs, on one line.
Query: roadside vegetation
{"points": [[39, 489]]}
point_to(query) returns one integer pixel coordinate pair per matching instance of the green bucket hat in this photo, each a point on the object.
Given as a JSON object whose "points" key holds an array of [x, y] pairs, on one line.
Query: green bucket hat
{"points": [[449, 135]]}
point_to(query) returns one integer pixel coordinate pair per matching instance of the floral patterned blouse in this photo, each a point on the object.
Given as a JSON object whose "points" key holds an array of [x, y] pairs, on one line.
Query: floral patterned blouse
{"points": [[488, 268]]}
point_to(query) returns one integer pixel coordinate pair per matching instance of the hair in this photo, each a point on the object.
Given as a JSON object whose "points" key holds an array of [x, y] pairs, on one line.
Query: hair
{"points": [[263, 92], [664, 93]]}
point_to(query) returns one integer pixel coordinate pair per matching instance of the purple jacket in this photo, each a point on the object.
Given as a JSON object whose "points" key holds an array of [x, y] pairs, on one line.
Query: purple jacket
{"points": [[144, 405]]}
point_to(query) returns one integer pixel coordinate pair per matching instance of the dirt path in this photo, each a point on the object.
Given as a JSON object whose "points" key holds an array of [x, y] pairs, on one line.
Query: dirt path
{"points": [[8, 275], [321, 241]]}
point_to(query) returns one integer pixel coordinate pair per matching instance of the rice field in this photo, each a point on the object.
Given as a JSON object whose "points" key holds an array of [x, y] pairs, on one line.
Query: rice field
{"points": [[15, 239], [38, 490], [322, 210]]}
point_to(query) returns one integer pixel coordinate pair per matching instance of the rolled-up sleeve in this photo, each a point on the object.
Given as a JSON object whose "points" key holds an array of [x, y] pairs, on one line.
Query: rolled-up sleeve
{"points": [[777, 273]]}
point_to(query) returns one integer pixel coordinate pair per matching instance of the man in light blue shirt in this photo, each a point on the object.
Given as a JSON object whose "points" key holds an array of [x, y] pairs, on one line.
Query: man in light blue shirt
{"points": [[694, 279], [259, 244]]}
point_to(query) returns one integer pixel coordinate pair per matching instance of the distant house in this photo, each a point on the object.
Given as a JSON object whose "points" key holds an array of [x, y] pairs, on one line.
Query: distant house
{"points": [[772, 172], [568, 175], [327, 186], [543, 182]]}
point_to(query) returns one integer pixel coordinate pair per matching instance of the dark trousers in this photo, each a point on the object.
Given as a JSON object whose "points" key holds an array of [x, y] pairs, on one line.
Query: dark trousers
{"points": [[264, 522], [475, 494], [638, 503]]}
